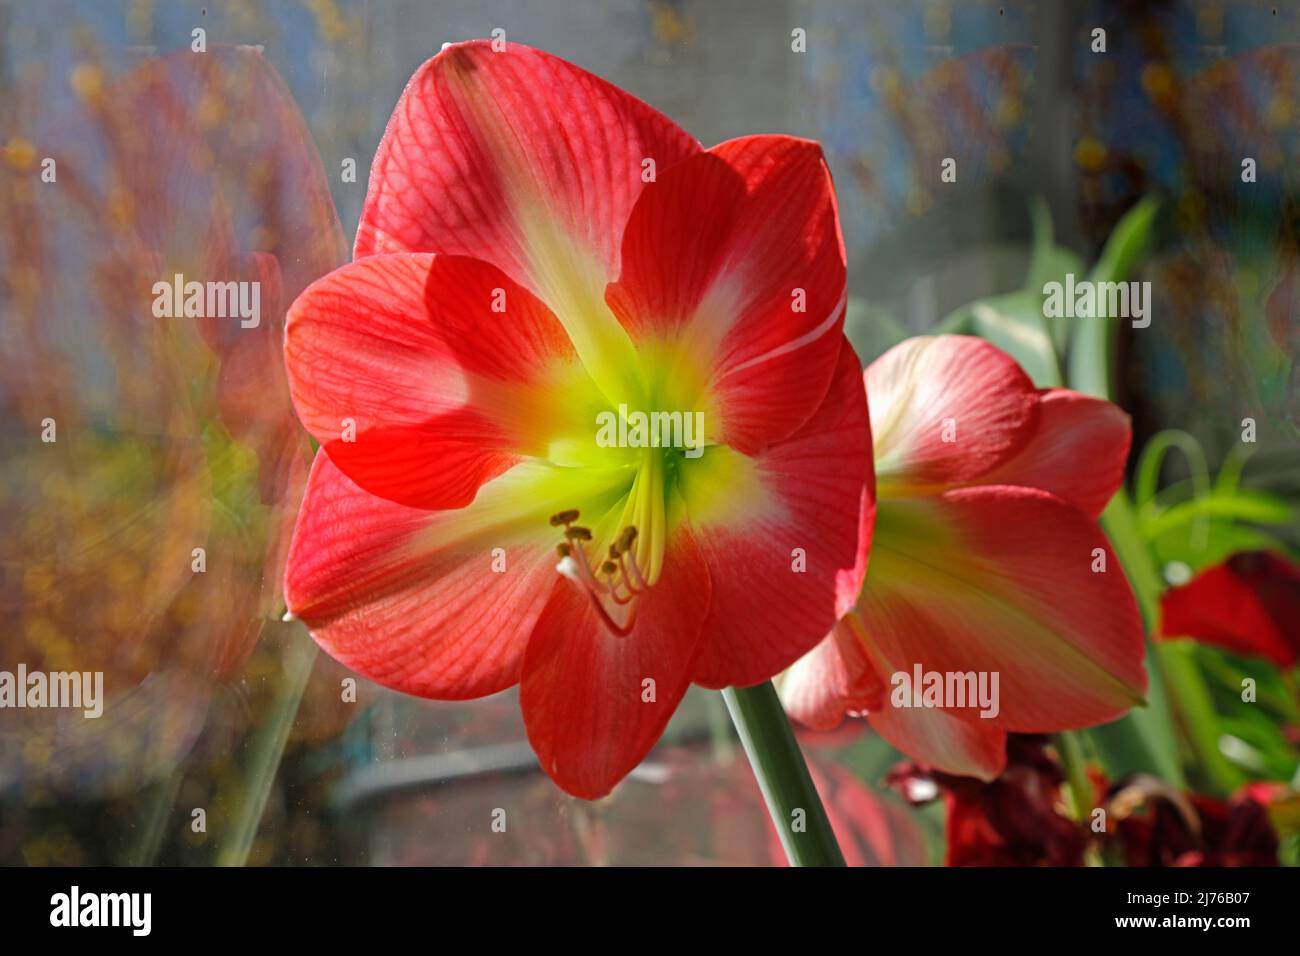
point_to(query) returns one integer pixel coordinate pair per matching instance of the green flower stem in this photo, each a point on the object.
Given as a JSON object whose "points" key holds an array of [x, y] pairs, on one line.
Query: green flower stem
{"points": [[783, 776], [268, 749], [156, 817], [1078, 785]]}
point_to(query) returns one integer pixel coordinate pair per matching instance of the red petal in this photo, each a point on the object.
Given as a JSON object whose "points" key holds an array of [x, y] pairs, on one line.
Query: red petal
{"points": [[944, 741], [833, 679], [1000, 579], [482, 139], [839, 677], [946, 409], [408, 347], [583, 692], [713, 254], [1077, 452], [817, 495], [1250, 605], [382, 598]]}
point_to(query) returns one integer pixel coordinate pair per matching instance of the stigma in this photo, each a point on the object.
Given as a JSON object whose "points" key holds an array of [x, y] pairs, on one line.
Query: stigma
{"points": [[612, 581]]}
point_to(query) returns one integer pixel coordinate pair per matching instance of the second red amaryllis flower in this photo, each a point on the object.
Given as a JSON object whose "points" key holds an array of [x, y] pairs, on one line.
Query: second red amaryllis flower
{"points": [[539, 251], [986, 563]]}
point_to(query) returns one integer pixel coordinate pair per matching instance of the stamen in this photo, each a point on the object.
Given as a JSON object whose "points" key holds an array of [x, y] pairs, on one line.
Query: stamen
{"points": [[609, 568], [638, 579], [588, 578], [609, 621], [627, 583], [625, 540], [574, 565]]}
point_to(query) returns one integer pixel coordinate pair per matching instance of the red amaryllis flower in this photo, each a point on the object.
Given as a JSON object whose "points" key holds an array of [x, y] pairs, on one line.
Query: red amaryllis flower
{"points": [[987, 563], [545, 268], [1249, 604]]}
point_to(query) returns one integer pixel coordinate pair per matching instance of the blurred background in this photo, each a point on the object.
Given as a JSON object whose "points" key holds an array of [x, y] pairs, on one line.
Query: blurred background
{"points": [[144, 535]]}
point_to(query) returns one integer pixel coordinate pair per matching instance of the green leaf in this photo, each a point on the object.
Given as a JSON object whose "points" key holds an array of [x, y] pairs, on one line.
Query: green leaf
{"points": [[1014, 323], [1050, 263], [1092, 339], [1129, 243], [1153, 456], [1202, 545], [1260, 507]]}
